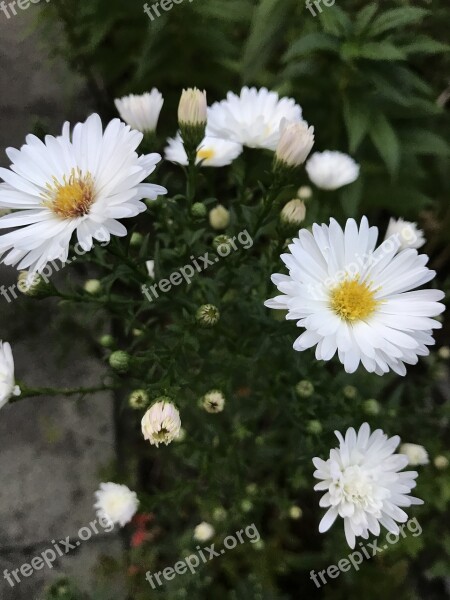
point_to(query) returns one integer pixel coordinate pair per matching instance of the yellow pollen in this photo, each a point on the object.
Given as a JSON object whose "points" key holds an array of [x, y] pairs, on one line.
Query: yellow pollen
{"points": [[73, 197], [205, 154], [353, 300]]}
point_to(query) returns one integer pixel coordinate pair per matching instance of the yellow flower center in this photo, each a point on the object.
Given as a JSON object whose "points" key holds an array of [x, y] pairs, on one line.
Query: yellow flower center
{"points": [[73, 197], [205, 154], [353, 300]]}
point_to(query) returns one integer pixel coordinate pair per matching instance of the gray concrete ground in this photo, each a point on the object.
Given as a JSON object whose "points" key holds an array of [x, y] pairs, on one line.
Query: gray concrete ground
{"points": [[52, 449]]}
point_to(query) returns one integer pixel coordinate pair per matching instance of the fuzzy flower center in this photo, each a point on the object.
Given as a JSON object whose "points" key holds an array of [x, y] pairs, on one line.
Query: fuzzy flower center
{"points": [[73, 197], [353, 300], [355, 487], [205, 154]]}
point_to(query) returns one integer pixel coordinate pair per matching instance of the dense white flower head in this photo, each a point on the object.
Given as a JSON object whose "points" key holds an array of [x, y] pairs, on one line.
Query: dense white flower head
{"points": [[253, 118], [406, 233], [141, 112], [212, 152], [296, 142], [81, 183], [331, 170], [203, 532], [358, 301], [161, 423], [363, 484], [8, 386], [416, 454], [116, 503]]}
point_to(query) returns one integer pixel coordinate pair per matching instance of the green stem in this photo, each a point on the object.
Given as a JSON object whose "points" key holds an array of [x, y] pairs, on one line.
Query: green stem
{"points": [[35, 392]]}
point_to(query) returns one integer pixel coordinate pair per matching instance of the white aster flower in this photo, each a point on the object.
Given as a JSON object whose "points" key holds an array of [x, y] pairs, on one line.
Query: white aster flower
{"points": [[141, 112], [406, 234], [416, 454], [212, 152], [331, 170], [203, 532], [116, 503], [296, 142], [363, 485], [358, 301], [8, 386], [161, 423], [82, 183], [253, 118]]}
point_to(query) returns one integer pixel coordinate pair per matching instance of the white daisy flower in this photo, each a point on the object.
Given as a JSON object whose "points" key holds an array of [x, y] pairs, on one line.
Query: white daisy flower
{"points": [[161, 424], [141, 112], [212, 152], [8, 386], [82, 183], [363, 484], [358, 301], [416, 454], [331, 170], [116, 503], [406, 234], [203, 532], [253, 118]]}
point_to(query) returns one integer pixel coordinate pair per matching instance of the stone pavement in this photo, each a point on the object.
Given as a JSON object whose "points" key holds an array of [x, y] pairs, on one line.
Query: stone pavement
{"points": [[52, 449]]}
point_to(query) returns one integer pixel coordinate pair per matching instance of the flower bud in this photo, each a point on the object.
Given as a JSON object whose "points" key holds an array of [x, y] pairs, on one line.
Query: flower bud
{"points": [[213, 402], [416, 454], [304, 389], [136, 239], [93, 287], [371, 407], [199, 210], [193, 108], [106, 341], [219, 217], [314, 427], [203, 532], [138, 399], [444, 352], [161, 424], [219, 514], [120, 361], [293, 213], [221, 240], [208, 315], [296, 142], [34, 285], [441, 462], [350, 392], [192, 117], [304, 192], [295, 512]]}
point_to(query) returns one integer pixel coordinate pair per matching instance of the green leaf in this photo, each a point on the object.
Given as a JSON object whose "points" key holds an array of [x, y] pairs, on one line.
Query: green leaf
{"points": [[425, 45], [386, 142], [357, 118], [309, 43], [423, 141], [335, 21], [364, 17], [269, 21], [395, 18], [381, 51]]}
